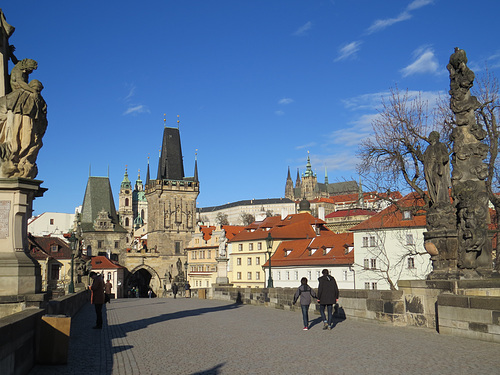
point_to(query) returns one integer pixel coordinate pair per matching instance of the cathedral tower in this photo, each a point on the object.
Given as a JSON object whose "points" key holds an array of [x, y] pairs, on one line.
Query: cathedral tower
{"points": [[125, 204]]}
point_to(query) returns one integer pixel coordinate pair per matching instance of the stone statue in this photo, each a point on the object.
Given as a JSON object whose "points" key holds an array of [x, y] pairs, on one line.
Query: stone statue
{"points": [[437, 170], [23, 121], [6, 53]]}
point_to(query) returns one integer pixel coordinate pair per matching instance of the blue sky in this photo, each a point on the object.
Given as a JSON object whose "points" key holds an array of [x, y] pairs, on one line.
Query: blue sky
{"points": [[257, 84]]}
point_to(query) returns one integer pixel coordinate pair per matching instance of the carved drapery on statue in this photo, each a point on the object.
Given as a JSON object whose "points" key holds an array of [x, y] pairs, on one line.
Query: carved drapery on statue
{"points": [[23, 121]]}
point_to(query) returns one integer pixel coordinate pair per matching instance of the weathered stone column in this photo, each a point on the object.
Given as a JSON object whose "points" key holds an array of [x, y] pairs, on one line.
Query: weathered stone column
{"points": [[469, 171], [19, 273], [222, 270]]}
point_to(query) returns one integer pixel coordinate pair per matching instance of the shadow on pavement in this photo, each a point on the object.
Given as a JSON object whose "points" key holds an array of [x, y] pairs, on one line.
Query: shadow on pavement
{"points": [[213, 371]]}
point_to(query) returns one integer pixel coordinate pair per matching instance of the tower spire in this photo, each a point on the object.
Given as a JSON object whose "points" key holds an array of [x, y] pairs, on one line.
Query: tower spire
{"points": [[196, 165], [147, 173]]}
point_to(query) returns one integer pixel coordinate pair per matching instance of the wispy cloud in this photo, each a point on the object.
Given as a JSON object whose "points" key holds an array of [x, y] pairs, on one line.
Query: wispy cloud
{"points": [[286, 101], [130, 94], [307, 145], [136, 109], [425, 62], [381, 24], [365, 101], [303, 29], [348, 50], [279, 113]]}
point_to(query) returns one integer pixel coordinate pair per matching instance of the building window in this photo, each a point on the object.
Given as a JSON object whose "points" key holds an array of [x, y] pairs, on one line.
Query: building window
{"points": [[117, 244], [296, 275], [345, 275], [257, 260], [249, 261], [209, 254], [51, 221], [142, 214], [127, 222], [374, 286], [366, 264], [279, 275], [54, 248], [372, 241], [193, 255], [249, 276], [202, 254], [126, 202], [367, 285], [409, 239], [177, 247], [54, 272], [196, 241], [406, 215], [287, 252], [99, 244], [365, 241], [238, 275], [240, 247], [411, 262], [257, 275], [309, 275], [373, 264], [109, 276], [288, 275], [318, 274], [259, 245], [250, 246], [238, 261]]}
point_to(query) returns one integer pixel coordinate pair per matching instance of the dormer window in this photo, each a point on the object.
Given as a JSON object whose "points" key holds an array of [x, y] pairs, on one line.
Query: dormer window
{"points": [[54, 248], [312, 251], [326, 250], [406, 215], [287, 252]]}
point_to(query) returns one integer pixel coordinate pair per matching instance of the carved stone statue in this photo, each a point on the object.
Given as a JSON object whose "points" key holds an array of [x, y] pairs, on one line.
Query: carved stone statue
{"points": [[437, 170], [23, 121]]}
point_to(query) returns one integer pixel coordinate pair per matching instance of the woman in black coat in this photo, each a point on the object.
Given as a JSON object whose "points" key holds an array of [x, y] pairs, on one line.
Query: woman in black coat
{"points": [[328, 294]]}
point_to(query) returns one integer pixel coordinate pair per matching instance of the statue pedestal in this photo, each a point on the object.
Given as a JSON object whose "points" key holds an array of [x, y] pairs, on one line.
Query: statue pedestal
{"points": [[442, 245], [222, 270], [19, 273]]}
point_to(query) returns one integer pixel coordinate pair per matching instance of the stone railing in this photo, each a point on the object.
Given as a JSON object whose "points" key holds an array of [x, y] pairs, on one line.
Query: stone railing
{"points": [[450, 307], [19, 332]]}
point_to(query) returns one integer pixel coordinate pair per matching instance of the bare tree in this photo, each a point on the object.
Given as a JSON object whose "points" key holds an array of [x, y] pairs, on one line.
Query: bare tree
{"points": [[247, 218], [222, 219], [392, 159]]}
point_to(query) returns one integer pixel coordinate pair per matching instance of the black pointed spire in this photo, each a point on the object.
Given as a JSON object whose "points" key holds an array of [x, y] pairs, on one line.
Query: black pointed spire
{"points": [[147, 174], [289, 177], [196, 166], [170, 166]]}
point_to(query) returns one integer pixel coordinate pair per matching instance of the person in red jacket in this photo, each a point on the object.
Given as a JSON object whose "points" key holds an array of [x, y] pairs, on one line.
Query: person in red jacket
{"points": [[97, 298], [328, 294]]}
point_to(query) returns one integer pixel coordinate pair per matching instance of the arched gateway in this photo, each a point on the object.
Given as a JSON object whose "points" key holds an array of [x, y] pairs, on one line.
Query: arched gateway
{"points": [[143, 278]]}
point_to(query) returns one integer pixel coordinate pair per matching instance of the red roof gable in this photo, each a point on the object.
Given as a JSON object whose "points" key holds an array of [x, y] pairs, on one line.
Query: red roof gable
{"points": [[392, 216], [325, 250], [102, 263], [40, 247]]}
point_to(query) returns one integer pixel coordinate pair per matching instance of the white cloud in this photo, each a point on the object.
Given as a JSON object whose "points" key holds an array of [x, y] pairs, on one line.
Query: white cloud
{"points": [[307, 145], [348, 50], [136, 109], [382, 24], [303, 29], [285, 101], [365, 101], [131, 93], [426, 62], [279, 113], [418, 4]]}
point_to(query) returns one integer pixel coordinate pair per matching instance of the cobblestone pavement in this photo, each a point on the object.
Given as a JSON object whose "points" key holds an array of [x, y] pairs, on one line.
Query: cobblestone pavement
{"points": [[192, 336]]}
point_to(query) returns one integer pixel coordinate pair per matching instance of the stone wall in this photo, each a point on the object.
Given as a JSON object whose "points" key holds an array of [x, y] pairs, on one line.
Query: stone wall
{"points": [[19, 332], [473, 317]]}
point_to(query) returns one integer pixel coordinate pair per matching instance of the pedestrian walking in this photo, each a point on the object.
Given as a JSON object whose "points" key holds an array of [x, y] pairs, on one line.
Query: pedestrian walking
{"points": [[150, 292], [107, 291], [97, 297], [175, 289], [305, 292], [187, 288], [328, 294]]}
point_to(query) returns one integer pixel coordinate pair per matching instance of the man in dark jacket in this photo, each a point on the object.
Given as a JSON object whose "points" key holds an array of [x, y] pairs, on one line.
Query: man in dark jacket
{"points": [[97, 297], [328, 294]]}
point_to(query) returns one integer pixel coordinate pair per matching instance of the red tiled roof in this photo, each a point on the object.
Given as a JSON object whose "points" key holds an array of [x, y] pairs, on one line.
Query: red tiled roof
{"points": [[101, 262], [392, 216], [300, 254], [40, 248], [347, 213], [232, 230]]}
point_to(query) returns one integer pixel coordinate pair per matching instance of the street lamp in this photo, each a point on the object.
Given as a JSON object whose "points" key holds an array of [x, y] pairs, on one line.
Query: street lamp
{"points": [[186, 268], [72, 242], [269, 242]]}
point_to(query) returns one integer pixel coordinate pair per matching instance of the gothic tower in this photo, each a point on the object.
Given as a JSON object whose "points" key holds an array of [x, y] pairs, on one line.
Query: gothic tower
{"points": [[139, 203], [125, 204], [289, 187], [309, 181], [171, 200]]}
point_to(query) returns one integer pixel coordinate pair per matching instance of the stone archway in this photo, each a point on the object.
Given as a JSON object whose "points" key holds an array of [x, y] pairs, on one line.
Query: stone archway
{"points": [[143, 278]]}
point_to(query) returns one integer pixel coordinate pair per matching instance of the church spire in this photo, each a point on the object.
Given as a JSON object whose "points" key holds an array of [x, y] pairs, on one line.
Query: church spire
{"points": [[196, 165], [126, 182], [288, 177], [309, 172], [326, 176], [147, 174]]}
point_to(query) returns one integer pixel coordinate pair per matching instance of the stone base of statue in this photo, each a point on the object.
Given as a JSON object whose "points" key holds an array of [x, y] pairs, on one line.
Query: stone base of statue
{"points": [[222, 270], [19, 273], [442, 245]]}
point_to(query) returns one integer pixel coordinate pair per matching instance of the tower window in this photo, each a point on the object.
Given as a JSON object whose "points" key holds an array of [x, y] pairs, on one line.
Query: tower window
{"points": [[126, 202]]}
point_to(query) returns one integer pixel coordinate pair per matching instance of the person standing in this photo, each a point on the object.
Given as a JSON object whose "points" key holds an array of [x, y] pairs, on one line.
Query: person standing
{"points": [[175, 289], [97, 298], [328, 294], [305, 292], [187, 288], [107, 291]]}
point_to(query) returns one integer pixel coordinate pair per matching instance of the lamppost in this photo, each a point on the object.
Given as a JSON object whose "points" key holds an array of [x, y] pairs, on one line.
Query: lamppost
{"points": [[72, 242], [269, 242], [186, 269]]}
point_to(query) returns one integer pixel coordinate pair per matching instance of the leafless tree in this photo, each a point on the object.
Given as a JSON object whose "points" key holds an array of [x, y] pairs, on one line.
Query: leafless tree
{"points": [[222, 219], [247, 218]]}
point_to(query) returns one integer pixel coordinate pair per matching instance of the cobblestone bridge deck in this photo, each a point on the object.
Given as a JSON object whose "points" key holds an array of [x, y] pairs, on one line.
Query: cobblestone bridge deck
{"points": [[192, 336]]}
